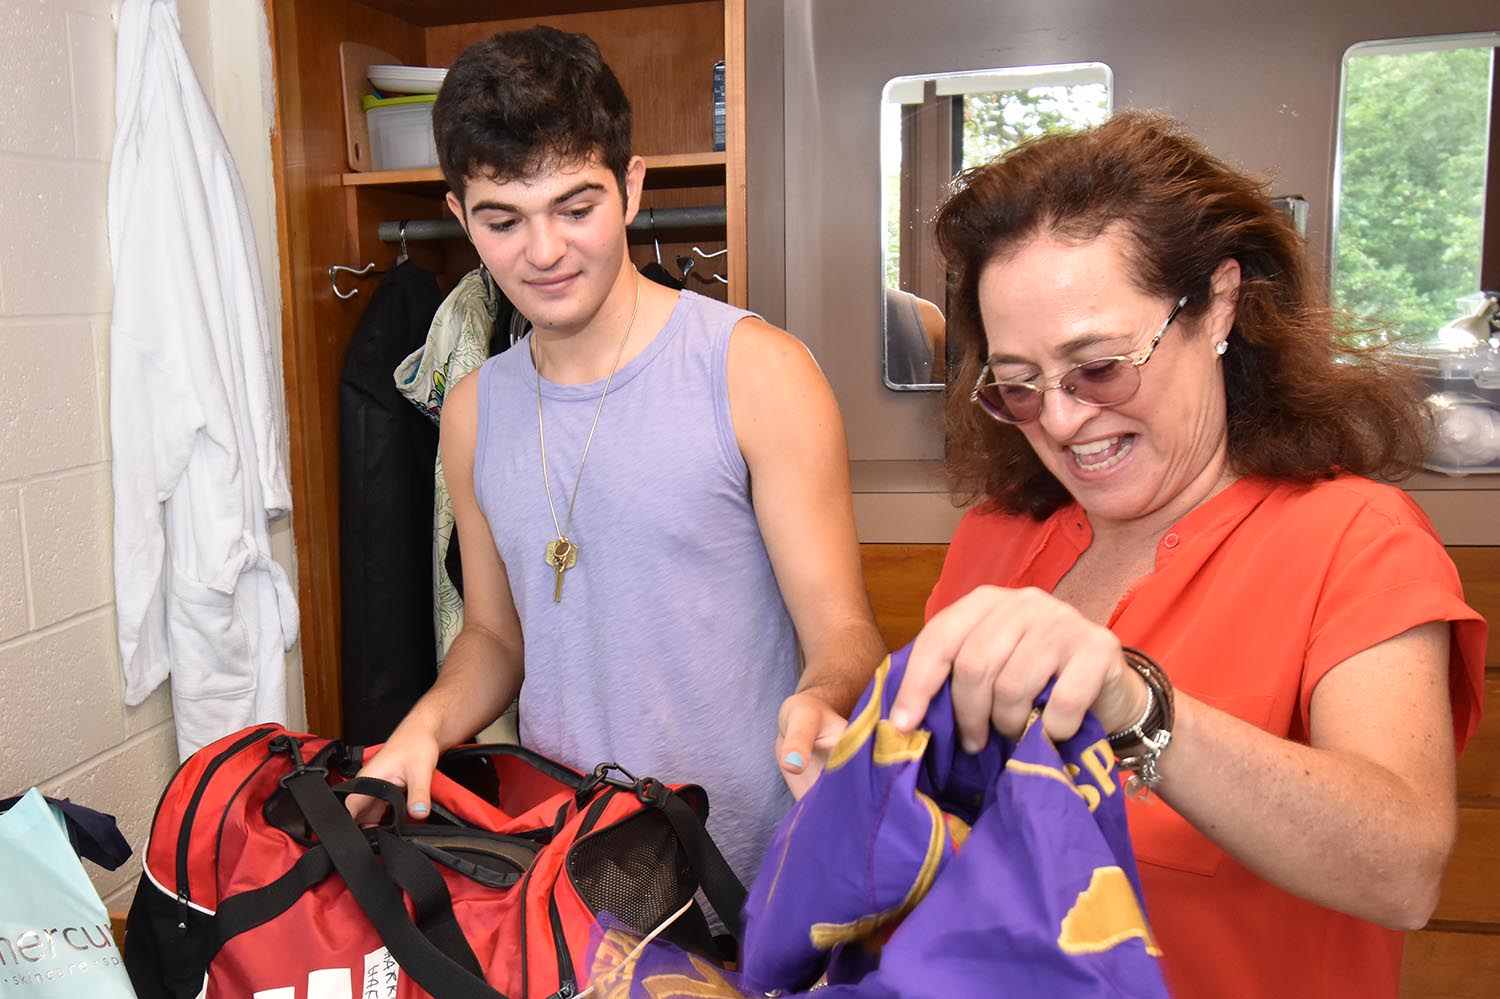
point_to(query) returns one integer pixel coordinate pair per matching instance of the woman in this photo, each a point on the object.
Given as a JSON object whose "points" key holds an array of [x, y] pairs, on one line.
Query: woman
{"points": [[1175, 459]]}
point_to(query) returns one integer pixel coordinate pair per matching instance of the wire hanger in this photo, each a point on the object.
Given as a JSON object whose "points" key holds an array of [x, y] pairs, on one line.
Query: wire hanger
{"points": [[709, 256], [401, 239], [654, 269]]}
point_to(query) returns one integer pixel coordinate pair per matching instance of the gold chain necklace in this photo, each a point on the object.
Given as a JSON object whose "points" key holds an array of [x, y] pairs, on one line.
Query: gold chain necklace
{"points": [[562, 551]]}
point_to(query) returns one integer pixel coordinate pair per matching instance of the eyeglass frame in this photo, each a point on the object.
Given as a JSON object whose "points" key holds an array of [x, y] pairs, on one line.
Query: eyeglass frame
{"points": [[1041, 390]]}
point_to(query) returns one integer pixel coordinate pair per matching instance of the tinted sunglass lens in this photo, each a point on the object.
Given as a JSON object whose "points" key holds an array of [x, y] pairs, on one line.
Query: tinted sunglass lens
{"points": [[1010, 404], [987, 402], [1102, 382]]}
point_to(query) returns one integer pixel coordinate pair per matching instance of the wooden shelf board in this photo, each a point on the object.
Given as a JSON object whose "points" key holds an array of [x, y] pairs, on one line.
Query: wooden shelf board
{"points": [[429, 13], [392, 178], [670, 170], [679, 161]]}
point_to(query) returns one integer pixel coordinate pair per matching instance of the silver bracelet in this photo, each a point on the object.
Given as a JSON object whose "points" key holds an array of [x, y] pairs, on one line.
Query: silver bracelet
{"points": [[1143, 773], [1153, 733], [1134, 735]]}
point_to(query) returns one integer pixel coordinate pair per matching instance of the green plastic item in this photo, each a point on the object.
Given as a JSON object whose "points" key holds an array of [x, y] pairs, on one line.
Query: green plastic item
{"points": [[369, 101]]}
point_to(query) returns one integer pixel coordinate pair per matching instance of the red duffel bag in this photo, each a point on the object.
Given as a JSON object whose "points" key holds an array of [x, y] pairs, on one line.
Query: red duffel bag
{"points": [[259, 885]]}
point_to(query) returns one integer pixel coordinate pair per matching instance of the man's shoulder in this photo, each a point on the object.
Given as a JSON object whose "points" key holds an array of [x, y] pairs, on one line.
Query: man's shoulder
{"points": [[765, 350], [713, 309], [513, 357], [510, 365]]}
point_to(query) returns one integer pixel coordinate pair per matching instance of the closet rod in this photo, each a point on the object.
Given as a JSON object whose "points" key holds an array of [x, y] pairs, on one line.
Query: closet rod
{"points": [[701, 217]]}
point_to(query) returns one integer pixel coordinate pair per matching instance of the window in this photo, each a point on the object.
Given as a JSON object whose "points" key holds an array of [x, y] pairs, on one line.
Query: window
{"points": [[1410, 183]]}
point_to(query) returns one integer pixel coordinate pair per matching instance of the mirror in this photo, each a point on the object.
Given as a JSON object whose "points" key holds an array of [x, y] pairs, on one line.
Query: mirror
{"points": [[1409, 187], [931, 127]]}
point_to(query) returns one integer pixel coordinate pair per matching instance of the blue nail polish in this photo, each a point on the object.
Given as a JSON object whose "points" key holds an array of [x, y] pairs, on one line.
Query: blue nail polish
{"points": [[794, 759], [419, 809]]}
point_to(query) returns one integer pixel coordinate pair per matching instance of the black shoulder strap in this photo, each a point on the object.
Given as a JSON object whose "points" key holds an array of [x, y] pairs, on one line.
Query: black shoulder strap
{"points": [[453, 976], [720, 885], [250, 909]]}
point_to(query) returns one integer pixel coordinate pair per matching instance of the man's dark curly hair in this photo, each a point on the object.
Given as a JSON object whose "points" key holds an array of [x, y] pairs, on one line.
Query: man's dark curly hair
{"points": [[521, 102], [1303, 403]]}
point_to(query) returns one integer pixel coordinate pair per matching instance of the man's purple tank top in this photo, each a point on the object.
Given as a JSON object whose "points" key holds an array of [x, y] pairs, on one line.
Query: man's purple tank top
{"points": [[671, 650]]}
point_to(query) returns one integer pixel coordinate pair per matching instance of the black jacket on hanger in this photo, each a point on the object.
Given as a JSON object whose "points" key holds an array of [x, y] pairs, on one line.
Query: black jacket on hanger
{"points": [[386, 453]]}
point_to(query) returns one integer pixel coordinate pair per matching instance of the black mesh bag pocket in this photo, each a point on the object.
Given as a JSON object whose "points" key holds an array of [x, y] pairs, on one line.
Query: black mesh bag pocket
{"points": [[637, 871]]}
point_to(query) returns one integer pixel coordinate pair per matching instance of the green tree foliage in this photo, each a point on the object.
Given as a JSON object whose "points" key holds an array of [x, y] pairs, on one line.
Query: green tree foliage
{"points": [[994, 122], [1411, 197], [997, 121]]}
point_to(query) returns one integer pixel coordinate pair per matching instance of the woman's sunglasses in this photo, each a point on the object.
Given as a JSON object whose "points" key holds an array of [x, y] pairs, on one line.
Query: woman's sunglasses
{"points": [[1104, 381]]}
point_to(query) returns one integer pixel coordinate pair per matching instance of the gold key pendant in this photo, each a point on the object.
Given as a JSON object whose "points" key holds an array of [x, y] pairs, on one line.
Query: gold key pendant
{"points": [[562, 555]]}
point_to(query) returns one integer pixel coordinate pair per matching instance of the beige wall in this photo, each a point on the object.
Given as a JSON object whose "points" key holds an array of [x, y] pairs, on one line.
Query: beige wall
{"points": [[65, 726]]}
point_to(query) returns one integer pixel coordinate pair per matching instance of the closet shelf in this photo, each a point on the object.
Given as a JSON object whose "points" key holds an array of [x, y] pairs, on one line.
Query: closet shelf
{"points": [[667, 170], [429, 13]]}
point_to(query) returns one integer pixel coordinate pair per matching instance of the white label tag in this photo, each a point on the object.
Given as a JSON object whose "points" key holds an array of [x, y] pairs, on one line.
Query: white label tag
{"points": [[381, 975]]}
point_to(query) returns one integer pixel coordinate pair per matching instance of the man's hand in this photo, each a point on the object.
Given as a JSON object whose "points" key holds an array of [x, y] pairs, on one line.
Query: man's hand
{"points": [[406, 760], [807, 730]]}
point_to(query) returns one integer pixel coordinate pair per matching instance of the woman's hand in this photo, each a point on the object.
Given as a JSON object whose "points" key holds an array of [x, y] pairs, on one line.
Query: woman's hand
{"points": [[1001, 647]]}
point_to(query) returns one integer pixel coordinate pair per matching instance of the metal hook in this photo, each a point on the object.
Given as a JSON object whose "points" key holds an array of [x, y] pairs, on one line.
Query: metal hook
{"points": [[685, 264], [333, 278], [655, 241], [401, 237], [709, 256]]}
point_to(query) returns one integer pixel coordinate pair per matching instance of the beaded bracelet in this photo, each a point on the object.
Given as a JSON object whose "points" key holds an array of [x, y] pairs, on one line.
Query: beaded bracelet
{"points": [[1153, 732]]}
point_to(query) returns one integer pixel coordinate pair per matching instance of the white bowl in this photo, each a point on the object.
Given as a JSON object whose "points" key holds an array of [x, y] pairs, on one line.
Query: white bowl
{"points": [[407, 79]]}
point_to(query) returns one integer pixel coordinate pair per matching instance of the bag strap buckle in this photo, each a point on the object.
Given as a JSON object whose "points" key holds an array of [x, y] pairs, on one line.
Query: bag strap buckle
{"points": [[625, 782], [650, 791], [604, 774], [286, 745]]}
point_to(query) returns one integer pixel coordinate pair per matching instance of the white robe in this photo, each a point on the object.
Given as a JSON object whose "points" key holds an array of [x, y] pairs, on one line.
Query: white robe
{"points": [[196, 411]]}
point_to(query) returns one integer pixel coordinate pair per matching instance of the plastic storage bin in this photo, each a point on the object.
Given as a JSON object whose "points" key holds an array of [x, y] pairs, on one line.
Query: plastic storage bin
{"points": [[1466, 434], [1463, 397], [400, 131]]}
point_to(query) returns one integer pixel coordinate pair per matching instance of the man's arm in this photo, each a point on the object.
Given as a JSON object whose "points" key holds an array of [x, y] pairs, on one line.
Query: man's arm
{"points": [[482, 672], [788, 426]]}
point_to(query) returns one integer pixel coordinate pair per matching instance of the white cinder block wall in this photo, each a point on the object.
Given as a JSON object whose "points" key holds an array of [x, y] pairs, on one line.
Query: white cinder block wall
{"points": [[65, 728]]}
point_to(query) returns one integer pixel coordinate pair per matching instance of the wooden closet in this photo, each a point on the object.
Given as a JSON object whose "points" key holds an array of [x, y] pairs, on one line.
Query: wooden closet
{"points": [[329, 214]]}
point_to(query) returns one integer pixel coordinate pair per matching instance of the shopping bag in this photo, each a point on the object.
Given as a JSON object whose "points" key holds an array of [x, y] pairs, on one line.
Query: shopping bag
{"points": [[55, 939]]}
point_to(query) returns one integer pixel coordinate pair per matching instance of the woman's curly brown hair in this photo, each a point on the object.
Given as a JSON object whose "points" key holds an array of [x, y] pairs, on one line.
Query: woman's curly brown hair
{"points": [[1304, 403]]}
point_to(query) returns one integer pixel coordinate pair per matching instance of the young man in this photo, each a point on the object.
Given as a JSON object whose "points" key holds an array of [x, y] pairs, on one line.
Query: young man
{"points": [[651, 491]]}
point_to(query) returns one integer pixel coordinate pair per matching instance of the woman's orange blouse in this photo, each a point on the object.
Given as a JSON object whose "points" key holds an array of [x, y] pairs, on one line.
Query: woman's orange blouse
{"points": [[1256, 594]]}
